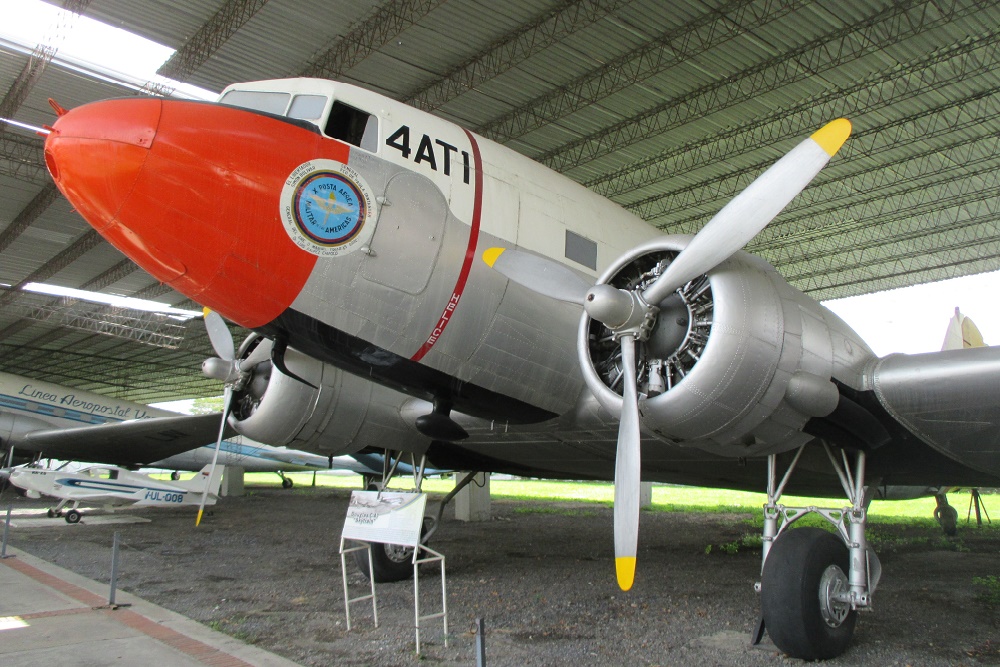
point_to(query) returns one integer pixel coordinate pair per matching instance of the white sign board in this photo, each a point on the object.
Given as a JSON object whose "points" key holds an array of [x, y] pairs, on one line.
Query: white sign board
{"points": [[389, 518]]}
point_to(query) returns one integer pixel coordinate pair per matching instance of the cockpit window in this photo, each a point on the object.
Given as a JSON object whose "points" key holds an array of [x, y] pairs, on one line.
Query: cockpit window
{"points": [[354, 126], [307, 107], [258, 101]]}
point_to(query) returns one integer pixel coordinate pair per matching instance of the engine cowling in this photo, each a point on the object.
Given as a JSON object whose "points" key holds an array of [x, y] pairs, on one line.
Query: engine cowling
{"points": [[274, 408], [737, 362]]}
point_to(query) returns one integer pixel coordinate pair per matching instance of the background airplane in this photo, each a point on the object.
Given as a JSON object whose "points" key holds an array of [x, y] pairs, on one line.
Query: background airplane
{"points": [[962, 333], [44, 419], [443, 310], [111, 486]]}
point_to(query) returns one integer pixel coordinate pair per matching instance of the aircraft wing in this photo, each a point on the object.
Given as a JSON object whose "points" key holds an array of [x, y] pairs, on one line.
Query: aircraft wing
{"points": [[128, 443], [947, 399], [359, 463]]}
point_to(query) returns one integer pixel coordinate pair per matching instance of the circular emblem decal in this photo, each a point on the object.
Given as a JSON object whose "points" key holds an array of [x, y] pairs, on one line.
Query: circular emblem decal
{"points": [[327, 208]]}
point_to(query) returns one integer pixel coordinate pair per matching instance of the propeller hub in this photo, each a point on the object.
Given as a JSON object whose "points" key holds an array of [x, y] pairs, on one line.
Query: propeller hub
{"points": [[624, 312], [609, 305], [220, 369]]}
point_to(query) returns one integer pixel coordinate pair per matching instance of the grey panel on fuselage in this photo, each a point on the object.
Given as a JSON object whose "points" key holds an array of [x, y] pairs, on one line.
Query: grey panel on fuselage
{"points": [[410, 224]]}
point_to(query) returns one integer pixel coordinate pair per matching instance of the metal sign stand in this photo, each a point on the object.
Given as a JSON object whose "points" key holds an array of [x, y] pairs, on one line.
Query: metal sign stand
{"points": [[443, 614], [343, 568], [390, 518]]}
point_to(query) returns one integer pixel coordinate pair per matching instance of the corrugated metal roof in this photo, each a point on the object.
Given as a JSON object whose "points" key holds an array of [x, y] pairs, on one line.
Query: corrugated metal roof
{"points": [[668, 108]]}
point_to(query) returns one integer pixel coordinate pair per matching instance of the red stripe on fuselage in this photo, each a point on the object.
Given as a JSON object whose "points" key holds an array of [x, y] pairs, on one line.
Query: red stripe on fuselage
{"points": [[470, 254]]}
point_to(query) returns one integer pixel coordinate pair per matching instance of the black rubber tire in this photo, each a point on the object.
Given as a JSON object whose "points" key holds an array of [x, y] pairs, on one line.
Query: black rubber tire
{"points": [[287, 483], [51, 513], [789, 597], [390, 562], [174, 476], [73, 516]]}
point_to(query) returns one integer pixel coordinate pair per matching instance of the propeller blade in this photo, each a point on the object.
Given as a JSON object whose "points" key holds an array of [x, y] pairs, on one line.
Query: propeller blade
{"points": [[751, 210], [227, 401], [260, 353], [538, 274], [218, 334], [627, 472]]}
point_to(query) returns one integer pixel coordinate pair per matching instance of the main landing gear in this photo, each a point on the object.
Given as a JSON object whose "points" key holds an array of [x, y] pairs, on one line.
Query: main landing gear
{"points": [[394, 562], [72, 516], [813, 581], [286, 482], [946, 515]]}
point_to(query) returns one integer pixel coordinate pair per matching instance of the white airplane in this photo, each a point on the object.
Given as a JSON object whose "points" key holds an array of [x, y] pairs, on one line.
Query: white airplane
{"points": [[468, 306], [42, 418], [111, 486]]}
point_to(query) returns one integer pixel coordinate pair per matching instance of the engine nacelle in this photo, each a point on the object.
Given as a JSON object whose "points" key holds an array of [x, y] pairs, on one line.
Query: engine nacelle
{"points": [[738, 361], [279, 410]]}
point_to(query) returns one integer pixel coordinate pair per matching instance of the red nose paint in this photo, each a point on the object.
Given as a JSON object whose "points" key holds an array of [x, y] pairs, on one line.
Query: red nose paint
{"points": [[189, 191]]}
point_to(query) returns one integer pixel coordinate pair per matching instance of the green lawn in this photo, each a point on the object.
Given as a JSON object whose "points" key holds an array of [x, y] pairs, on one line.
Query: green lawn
{"points": [[666, 498]]}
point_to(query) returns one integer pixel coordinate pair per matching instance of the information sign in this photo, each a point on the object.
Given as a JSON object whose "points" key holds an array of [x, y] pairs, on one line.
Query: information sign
{"points": [[387, 517]]}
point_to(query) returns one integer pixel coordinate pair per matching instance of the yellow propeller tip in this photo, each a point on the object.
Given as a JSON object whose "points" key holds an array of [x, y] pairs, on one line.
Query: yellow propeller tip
{"points": [[832, 136], [205, 311], [625, 569], [197, 521], [492, 255]]}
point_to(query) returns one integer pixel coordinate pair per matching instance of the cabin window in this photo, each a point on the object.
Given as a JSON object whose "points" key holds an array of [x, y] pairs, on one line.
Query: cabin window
{"points": [[307, 107], [581, 250], [275, 103], [356, 127]]}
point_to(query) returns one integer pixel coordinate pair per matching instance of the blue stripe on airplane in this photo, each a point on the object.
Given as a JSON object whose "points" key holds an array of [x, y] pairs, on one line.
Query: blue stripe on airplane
{"points": [[34, 407], [102, 485]]}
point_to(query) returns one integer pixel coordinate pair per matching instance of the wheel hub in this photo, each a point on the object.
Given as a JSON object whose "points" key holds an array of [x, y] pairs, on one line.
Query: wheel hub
{"points": [[832, 587], [398, 553]]}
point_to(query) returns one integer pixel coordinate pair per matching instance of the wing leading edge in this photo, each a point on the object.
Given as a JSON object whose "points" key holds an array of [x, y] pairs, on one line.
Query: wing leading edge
{"points": [[947, 399], [129, 443]]}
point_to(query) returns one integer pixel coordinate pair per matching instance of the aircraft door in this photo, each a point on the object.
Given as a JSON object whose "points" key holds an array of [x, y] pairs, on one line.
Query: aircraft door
{"points": [[408, 237]]}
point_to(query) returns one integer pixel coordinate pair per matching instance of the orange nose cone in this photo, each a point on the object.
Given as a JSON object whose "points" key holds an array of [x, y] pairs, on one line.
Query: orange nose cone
{"points": [[95, 157], [190, 192]]}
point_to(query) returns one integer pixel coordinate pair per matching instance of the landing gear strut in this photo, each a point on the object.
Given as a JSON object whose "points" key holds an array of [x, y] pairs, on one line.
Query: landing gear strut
{"points": [[946, 515], [813, 581]]}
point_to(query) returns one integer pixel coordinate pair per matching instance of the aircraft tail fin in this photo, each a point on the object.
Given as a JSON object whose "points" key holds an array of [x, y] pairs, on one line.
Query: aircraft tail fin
{"points": [[962, 332], [198, 483]]}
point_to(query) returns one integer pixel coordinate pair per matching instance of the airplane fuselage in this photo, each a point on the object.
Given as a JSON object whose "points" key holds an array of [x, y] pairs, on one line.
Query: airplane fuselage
{"points": [[415, 285], [351, 228]]}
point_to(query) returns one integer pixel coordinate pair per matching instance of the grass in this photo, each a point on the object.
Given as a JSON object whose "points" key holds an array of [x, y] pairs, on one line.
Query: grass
{"points": [[990, 595], [666, 497]]}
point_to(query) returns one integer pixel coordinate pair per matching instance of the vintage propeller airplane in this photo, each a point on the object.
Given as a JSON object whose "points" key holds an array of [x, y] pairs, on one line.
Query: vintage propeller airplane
{"points": [[418, 288], [110, 487]]}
